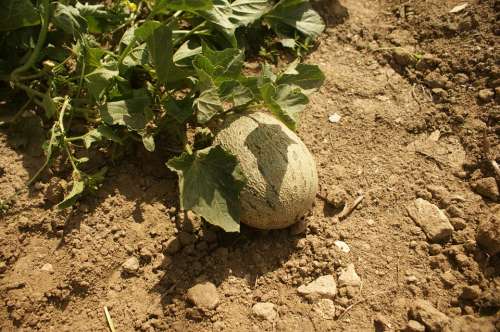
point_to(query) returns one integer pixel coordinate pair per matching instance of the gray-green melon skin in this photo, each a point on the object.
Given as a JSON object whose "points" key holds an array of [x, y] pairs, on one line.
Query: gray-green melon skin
{"points": [[282, 180]]}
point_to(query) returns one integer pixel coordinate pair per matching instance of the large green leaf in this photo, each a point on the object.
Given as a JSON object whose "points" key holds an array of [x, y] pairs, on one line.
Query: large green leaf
{"points": [[68, 19], [99, 80], [180, 110], [226, 63], [285, 102], [227, 16], [207, 105], [245, 12], [307, 77], [134, 112], [145, 31], [210, 181], [98, 134], [235, 93], [17, 14], [297, 14], [161, 52], [164, 6]]}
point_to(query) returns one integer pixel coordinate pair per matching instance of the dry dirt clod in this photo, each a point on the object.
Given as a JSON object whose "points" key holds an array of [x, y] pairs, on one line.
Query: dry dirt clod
{"points": [[3, 267], [470, 323], [414, 326], [485, 95], [344, 247], [424, 312], [488, 234], [47, 268], [265, 310], [470, 292], [404, 57], [131, 265], [204, 295], [431, 219], [487, 187], [172, 245], [324, 286], [349, 277]]}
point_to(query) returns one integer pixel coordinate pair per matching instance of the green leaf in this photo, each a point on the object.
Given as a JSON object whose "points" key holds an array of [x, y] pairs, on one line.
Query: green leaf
{"points": [[99, 80], [235, 93], [161, 52], [76, 191], [246, 12], [68, 19], [207, 105], [17, 14], [224, 64], [98, 134], [227, 16], [149, 142], [49, 106], [146, 30], [134, 112], [307, 77], [297, 14], [180, 110], [164, 6], [285, 102], [210, 182], [187, 50]]}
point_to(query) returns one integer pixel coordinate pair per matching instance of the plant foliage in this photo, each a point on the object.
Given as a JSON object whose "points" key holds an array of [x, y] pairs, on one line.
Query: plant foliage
{"points": [[142, 70]]}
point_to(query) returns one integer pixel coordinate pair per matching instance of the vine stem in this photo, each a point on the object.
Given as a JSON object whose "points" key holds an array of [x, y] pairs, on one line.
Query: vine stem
{"points": [[63, 132], [39, 44]]}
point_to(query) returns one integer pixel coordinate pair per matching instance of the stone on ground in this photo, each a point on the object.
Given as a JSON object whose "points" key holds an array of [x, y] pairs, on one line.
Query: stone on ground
{"points": [[324, 286], [265, 310], [487, 187], [204, 295], [131, 265], [433, 221], [349, 277]]}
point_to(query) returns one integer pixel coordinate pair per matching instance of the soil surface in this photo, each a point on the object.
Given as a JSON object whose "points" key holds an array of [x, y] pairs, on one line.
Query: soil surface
{"points": [[408, 119]]}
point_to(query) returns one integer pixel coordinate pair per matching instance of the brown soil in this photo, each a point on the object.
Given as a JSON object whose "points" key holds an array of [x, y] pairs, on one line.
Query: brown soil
{"points": [[397, 139]]}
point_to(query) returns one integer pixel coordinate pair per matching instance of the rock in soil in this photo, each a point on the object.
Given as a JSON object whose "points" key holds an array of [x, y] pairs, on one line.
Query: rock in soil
{"points": [[265, 310], [424, 312], [349, 277], [488, 234], [487, 187], [204, 295], [324, 286], [131, 265], [325, 308], [486, 95], [414, 326], [431, 219], [47, 268], [344, 247], [470, 292]]}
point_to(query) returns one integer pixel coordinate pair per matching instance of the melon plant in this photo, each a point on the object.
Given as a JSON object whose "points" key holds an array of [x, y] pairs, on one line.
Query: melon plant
{"points": [[99, 77]]}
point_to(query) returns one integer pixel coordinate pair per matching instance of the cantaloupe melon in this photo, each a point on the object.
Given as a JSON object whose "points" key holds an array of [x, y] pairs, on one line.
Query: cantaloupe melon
{"points": [[282, 179]]}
